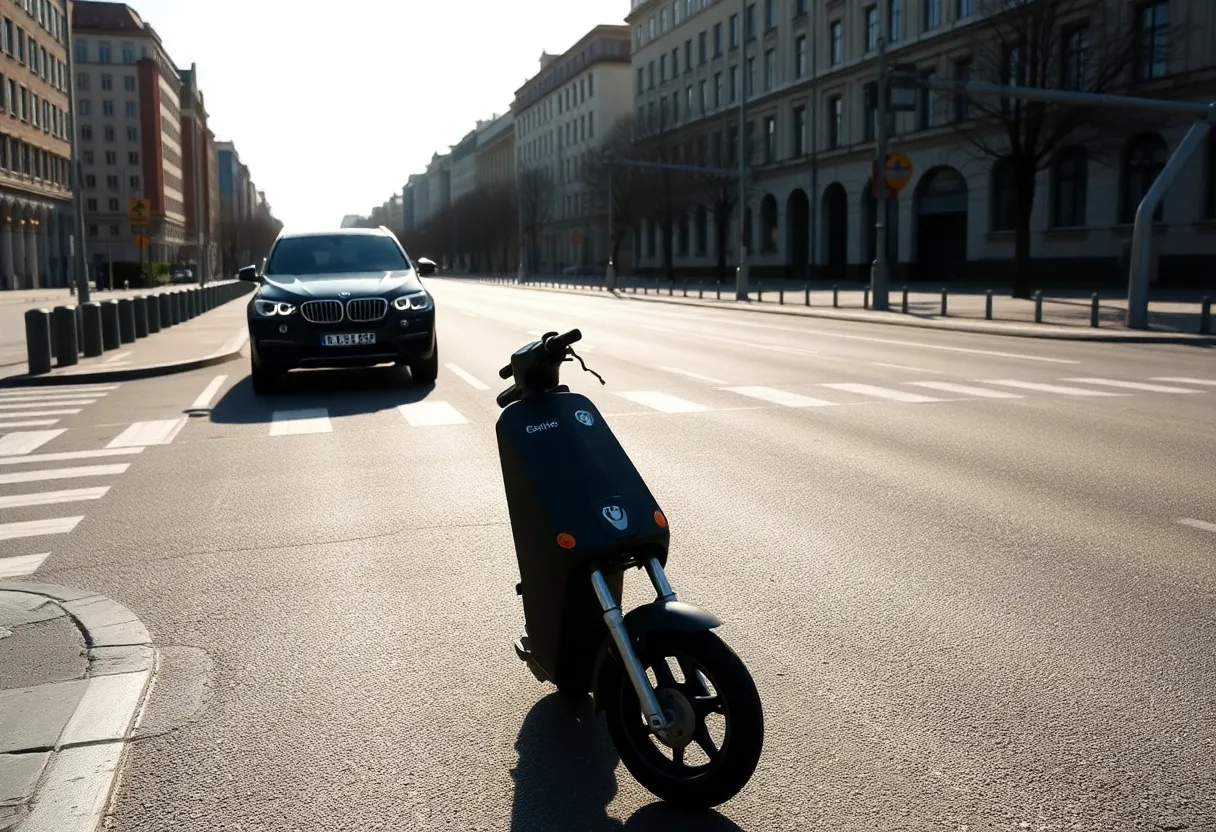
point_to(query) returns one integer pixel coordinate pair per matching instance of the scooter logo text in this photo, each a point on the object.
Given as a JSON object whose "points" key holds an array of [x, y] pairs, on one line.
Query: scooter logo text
{"points": [[616, 516], [541, 426]]}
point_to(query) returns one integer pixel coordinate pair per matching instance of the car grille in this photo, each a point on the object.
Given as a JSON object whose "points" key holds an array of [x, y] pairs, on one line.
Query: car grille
{"points": [[322, 311], [364, 310]]}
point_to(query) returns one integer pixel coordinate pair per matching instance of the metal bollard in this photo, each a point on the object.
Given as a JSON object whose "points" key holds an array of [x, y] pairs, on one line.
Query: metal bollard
{"points": [[645, 289], [760, 291], [685, 290], [835, 295], [865, 297], [700, 292], [988, 305], [110, 339], [91, 345], [1038, 306], [806, 300], [1093, 311], [176, 307], [164, 305], [671, 288], [188, 310], [38, 340], [903, 305], [67, 347], [781, 296], [126, 320], [1205, 316], [718, 292], [944, 302], [141, 316], [79, 327]]}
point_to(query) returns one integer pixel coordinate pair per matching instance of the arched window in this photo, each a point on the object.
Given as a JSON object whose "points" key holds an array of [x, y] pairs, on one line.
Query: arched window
{"points": [[1143, 161], [1069, 180], [768, 224], [702, 230], [1004, 196]]}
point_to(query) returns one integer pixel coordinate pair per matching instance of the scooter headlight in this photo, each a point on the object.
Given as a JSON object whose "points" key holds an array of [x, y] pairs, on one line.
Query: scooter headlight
{"points": [[270, 308], [416, 302]]}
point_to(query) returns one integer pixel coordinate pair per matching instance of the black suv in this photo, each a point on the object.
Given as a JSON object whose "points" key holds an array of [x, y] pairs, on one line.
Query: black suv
{"points": [[348, 298]]}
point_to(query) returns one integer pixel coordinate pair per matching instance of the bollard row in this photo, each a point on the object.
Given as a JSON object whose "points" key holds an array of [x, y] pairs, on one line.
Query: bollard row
{"points": [[60, 337]]}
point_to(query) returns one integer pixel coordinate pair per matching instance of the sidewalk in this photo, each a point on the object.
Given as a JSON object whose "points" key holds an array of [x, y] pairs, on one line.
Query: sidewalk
{"points": [[212, 338], [75, 669]]}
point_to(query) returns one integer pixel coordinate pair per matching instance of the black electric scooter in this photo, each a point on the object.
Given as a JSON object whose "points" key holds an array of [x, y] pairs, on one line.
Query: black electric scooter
{"points": [[682, 709]]}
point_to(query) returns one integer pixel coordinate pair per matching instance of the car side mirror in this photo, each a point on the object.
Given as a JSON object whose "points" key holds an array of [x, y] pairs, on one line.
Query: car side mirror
{"points": [[425, 269], [248, 273]]}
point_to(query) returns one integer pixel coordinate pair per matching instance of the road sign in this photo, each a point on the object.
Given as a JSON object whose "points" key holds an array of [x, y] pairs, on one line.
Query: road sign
{"points": [[898, 172], [140, 240], [577, 238], [139, 211]]}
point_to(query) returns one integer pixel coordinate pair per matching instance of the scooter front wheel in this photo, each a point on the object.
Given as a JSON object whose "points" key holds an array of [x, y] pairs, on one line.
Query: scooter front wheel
{"points": [[716, 721]]}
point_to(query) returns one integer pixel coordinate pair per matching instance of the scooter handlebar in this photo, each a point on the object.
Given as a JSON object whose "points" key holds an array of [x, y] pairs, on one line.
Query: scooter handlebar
{"points": [[505, 372], [558, 343]]}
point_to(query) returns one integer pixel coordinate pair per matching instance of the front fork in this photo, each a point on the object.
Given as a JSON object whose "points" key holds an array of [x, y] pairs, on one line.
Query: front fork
{"points": [[615, 620]]}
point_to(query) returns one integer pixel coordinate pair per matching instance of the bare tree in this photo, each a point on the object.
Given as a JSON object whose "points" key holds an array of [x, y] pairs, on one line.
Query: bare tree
{"points": [[536, 189], [608, 174], [1083, 45]]}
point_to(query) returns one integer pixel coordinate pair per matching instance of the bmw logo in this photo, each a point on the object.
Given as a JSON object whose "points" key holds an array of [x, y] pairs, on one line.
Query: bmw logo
{"points": [[343, 294]]}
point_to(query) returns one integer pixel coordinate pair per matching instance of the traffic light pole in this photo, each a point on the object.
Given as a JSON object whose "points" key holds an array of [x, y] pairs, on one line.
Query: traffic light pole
{"points": [[80, 265]]}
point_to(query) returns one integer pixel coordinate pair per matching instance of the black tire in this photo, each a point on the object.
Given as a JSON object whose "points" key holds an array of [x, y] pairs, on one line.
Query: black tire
{"points": [[426, 370], [672, 779], [264, 381]]}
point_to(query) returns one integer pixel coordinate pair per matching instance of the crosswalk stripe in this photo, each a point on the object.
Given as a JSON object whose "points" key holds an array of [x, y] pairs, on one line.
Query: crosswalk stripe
{"points": [[967, 390], [47, 498], [26, 442], [58, 390], [781, 397], [65, 456], [30, 413], [1207, 382], [49, 396], [1059, 389], [1198, 524], [65, 473], [663, 402], [37, 404], [34, 423], [431, 414], [294, 422], [468, 378], [142, 434], [18, 566], [697, 376], [1132, 385], [37, 528], [882, 393]]}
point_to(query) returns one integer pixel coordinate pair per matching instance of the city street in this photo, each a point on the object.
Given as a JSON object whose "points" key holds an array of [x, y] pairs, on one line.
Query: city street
{"points": [[973, 576]]}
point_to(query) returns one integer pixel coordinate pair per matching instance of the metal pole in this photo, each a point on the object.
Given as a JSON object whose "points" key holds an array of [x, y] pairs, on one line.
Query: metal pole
{"points": [[522, 273], [814, 128], [741, 276], [610, 274], [76, 177], [198, 192], [879, 271]]}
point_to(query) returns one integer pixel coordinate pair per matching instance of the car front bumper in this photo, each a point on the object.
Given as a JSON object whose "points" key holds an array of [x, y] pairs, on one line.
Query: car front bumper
{"points": [[287, 342]]}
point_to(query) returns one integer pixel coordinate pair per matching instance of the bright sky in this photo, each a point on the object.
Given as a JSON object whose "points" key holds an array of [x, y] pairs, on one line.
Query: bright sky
{"points": [[333, 105]]}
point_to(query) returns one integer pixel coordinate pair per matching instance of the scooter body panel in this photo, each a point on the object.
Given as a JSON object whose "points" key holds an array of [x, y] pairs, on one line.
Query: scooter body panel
{"points": [[566, 476]]}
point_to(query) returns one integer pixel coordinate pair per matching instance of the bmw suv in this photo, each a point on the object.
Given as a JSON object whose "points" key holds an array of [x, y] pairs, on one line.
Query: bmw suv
{"points": [[347, 298]]}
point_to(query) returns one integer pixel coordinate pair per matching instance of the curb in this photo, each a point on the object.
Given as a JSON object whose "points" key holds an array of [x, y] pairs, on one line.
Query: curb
{"points": [[1054, 334], [73, 790], [228, 352]]}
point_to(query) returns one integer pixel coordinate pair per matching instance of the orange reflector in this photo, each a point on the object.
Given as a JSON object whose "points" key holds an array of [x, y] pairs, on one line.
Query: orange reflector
{"points": [[660, 520], [566, 541]]}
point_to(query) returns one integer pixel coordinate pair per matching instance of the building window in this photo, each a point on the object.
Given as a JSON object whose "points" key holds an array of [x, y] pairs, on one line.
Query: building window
{"points": [[768, 224], [133, 181], [770, 139], [835, 121], [702, 49], [641, 81], [1074, 63], [109, 132], [662, 69], [1143, 162], [895, 19], [800, 57], [871, 42], [128, 83], [869, 94], [107, 108], [734, 31], [837, 42], [704, 90], [1069, 176], [86, 107], [688, 55], [86, 133], [1004, 196], [964, 9], [90, 204], [132, 134], [770, 69], [111, 157], [928, 103], [1152, 31], [133, 157], [749, 25], [799, 132], [799, 7], [734, 84], [702, 230], [112, 203], [717, 90], [107, 81], [103, 52], [717, 39], [962, 104], [770, 15], [749, 80], [932, 14]]}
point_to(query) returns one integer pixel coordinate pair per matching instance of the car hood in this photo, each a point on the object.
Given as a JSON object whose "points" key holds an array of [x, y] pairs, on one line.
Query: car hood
{"points": [[356, 284]]}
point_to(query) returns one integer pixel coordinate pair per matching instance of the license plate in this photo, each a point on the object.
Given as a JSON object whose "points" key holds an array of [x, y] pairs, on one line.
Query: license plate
{"points": [[352, 339]]}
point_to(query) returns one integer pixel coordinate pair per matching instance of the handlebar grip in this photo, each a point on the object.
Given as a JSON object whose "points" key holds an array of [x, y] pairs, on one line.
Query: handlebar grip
{"points": [[505, 372], [508, 396], [558, 343]]}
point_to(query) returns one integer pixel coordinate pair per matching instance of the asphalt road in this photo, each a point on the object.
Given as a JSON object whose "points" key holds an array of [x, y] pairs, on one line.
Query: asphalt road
{"points": [[989, 610]]}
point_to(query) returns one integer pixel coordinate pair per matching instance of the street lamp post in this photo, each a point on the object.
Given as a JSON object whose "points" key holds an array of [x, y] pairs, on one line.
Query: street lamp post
{"points": [[741, 275], [76, 178]]}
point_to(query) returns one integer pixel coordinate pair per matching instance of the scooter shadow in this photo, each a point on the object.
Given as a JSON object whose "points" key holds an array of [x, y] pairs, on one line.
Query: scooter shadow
{"points": [[567, 775]]}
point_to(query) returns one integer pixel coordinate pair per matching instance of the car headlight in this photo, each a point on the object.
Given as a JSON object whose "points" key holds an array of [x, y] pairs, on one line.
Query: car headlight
{"points": [[270, 308], [416, 302]]}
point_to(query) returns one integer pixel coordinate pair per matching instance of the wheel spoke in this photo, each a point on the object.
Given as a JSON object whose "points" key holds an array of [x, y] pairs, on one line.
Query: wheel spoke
{"points": [[677, 757], [702, 738], [692, 677], [704, 705], [662, 672]]}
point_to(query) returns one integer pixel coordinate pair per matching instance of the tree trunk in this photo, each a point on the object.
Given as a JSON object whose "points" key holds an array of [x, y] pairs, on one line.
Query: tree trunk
{"points": [[1024, 187], [669, 267]]}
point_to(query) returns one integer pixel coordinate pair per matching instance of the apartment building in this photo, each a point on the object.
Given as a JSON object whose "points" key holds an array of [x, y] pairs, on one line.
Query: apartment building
{"points": [[495, 161], [561, 114], [238, 198], [35, 149], [201, 178], [128, 94], [809, 70]]}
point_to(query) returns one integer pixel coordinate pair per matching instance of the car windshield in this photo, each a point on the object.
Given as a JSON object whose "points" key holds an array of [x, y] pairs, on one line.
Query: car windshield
{"points": [[334, 254]]}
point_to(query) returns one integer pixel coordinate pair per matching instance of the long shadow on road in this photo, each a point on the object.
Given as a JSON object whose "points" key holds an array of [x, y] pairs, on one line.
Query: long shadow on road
{"points": [[566, 777], [340, 392]]}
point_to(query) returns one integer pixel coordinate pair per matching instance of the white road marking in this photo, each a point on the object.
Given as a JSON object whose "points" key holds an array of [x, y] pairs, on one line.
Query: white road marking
{"points": [[294, 422], [58, 390], [65, 456], [1198, 524], [1059, 389], [37, 528], [51, 395], [967, 390], [912, 369], [690, 374], [1207, 382], [19, 566], [30, 413], [882, 393], [468, 378], [732, 341], [663, 402], [781, 397], [205, 397], [26, 442], [1132, 385], [37, 423], [142, 434], [431, 414], [47, 498], [65, 473], [30, 405]]}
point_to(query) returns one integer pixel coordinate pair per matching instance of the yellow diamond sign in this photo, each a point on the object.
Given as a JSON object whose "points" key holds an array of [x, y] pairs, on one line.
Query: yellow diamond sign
{"points": [[139, 211]]}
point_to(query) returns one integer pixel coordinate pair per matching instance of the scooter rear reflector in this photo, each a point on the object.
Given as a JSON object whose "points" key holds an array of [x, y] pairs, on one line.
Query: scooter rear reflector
{"points": [[566, 541]]}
